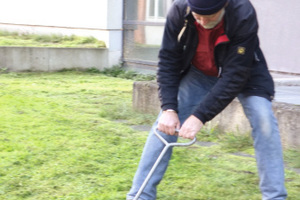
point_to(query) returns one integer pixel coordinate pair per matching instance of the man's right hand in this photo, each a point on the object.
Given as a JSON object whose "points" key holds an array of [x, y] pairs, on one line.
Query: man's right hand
{"points": [[168, 122]]}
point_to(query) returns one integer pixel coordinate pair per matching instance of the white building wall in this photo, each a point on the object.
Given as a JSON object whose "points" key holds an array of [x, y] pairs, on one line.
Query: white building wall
{"points": [[65, 13], [279, 31], [99, 18]]}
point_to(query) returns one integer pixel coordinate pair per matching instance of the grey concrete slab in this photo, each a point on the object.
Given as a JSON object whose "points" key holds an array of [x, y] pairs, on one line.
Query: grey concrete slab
{"points": [[288, 94], [52, 59]]}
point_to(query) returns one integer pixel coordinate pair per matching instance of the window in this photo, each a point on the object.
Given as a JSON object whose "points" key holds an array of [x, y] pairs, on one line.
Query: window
{"points": [[157, 9]]}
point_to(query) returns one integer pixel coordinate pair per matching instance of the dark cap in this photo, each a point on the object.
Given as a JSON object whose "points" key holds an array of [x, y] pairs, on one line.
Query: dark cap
{"points": [[206, 7]]}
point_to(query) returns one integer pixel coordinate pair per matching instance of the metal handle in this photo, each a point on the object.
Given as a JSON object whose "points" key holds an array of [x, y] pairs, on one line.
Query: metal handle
{"points": [[172, 144]]}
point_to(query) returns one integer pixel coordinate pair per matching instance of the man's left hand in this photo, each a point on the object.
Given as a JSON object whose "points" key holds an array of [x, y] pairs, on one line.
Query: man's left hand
{"points": [[190, 127]]}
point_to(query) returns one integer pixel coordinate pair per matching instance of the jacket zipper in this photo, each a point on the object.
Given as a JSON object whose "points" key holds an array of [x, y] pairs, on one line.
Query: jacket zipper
{"points": [[224, 40]]}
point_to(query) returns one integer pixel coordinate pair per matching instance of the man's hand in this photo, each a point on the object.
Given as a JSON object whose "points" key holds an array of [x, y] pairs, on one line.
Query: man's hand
{"points": [[168, 122], [190, 127]]}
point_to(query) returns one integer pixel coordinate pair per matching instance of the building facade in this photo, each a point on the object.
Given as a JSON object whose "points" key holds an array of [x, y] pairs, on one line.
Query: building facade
{"points": [[132, 29]]}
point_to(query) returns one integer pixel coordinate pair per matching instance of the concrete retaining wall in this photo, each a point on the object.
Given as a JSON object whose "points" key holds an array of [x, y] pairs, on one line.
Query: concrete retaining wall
{"points": [[232, 119], [52, 59]]}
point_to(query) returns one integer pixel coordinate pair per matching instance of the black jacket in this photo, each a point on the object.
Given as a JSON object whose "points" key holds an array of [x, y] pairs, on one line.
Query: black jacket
{"points": [[244, 69]]}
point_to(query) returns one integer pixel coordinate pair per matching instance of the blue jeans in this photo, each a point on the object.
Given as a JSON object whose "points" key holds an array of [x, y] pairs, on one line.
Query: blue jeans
{"points": [[193, 88]]}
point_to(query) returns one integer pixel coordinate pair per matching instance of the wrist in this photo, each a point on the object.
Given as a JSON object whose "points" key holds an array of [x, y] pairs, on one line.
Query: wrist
{"points": [[197, 119], [170, 110]]}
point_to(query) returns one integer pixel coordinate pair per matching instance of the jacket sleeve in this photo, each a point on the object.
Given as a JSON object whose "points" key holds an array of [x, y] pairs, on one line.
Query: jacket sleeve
{"points": [[170, 58]]}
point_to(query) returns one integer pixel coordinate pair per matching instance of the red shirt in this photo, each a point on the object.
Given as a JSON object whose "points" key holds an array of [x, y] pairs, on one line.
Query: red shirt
{"points": [[204, 58]]}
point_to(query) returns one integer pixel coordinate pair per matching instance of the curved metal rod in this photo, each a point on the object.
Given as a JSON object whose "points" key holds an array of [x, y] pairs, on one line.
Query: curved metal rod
{"points": [[159, 159], [174, 143]]}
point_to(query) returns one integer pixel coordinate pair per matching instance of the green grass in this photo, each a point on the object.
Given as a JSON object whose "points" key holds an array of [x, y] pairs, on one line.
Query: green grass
{"points": [[69, 136], [53, 40], [120, 72]]}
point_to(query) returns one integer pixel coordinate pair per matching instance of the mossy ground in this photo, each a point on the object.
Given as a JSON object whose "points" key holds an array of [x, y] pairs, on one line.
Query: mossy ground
{"points": [[51, 40]]}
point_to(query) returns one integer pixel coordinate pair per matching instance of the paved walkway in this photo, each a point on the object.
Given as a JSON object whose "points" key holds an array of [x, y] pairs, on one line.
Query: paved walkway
{"points": [[287, 88], [288, 94]]}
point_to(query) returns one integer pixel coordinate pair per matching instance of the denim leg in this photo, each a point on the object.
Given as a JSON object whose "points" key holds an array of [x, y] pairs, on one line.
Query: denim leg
{"points": [[267, 144], [193, 87], [152, 150]]}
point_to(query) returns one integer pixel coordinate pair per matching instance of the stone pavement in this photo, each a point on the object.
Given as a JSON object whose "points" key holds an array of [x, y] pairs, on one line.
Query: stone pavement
{"points": [[287, 88], [288, 94]]}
